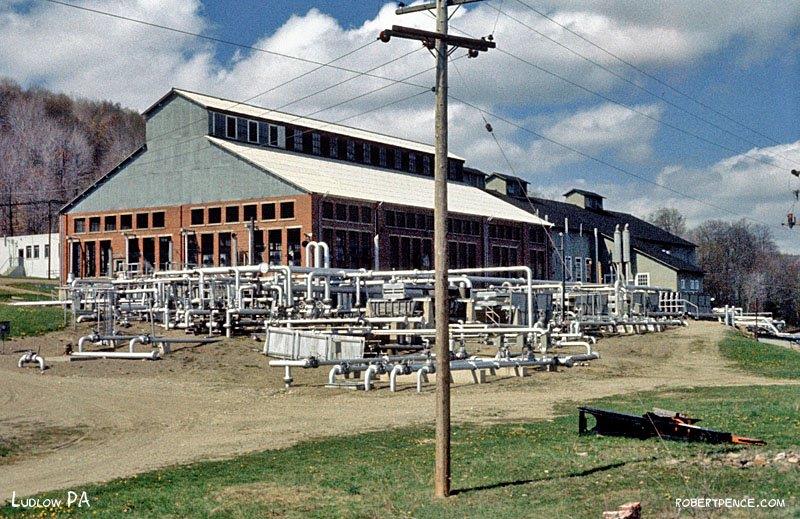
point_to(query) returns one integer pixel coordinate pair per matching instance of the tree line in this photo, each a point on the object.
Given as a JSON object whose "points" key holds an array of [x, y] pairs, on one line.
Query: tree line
{"points": [[742, 263], [52, 147]]}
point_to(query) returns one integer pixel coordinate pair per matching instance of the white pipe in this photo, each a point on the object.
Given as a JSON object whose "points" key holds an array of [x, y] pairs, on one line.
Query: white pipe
{"points": [[422, 373], [396, 370], [336, 370], [153, 355], [31, 358], [368, 373]]}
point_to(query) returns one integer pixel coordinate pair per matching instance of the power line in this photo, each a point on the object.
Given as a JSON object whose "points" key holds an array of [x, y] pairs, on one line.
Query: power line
{"points": [[218, 40], [602, 161], [632, 83], [349, 117], [630, 108], [268, 110], [647, 74], [197, 137], [276, 87]]}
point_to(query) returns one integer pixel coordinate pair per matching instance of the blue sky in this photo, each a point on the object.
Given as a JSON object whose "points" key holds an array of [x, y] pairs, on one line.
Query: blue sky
{"points": [[744, 65]]}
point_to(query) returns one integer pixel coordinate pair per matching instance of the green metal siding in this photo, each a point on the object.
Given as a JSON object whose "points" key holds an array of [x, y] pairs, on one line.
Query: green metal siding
{"points": [[179, 167]]}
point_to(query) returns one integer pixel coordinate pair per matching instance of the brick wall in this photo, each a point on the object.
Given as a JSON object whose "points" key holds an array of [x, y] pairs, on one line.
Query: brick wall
{"points": [[176, 220]]}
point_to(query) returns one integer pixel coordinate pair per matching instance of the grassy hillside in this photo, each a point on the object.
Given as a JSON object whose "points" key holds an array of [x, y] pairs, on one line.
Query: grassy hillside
{"points": [[759, 358]]}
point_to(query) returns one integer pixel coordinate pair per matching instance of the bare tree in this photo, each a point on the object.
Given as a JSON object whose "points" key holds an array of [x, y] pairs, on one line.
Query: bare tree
{"points": [[669, 219], [52, 147]]}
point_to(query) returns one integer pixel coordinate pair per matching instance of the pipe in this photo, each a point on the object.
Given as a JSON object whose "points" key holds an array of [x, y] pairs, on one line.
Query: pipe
{"points": [[153, 355], [141, 339], [31, 357], [422, 373], [335, 370], [397, 369], [368, 374]]}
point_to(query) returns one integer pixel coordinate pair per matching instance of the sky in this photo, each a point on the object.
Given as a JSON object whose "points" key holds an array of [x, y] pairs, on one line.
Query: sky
{"points": [[692, 104]]}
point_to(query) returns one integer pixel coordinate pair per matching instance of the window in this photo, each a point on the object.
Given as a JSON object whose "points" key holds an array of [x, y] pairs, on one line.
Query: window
{"points": [[198, 216], [94, 224], [232, 214], [578, 276], [412, 162], [230, 127], [268, 211], [568, 262], [398, 159], [214, 215], [333, 147], [426, 165], [287, 210], [274, 135], [126, 222], [158, 219], [142, 220], [382, 157], [35, 251], [79, 225], [351, 150], [293, 245], [367, 149], [643, 279], [327, 210], [252, 131], [316, 144], [28, 251], [366, 215], [588, 272], [250, 212], [274, 242], [111, 223], [683, 284], [224, 248], [353, 213], [341, 212], [46, 251], [503, 256], [297, 139]]}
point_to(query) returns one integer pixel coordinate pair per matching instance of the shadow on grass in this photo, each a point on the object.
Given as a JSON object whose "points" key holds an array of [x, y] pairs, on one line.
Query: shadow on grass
{"points": [[579, 474]]}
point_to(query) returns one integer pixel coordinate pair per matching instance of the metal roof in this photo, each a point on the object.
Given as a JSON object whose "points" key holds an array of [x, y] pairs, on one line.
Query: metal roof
{"points": [[248, 110], [362, 182]]}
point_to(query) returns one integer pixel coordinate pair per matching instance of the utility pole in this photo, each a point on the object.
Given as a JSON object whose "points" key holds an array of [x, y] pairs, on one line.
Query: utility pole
{"points": [[441, 43], [563, 280]]}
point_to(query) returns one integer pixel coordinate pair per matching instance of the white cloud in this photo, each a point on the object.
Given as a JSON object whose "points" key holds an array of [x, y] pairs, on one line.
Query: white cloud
{"points": [[100, 57], [742, 186]]}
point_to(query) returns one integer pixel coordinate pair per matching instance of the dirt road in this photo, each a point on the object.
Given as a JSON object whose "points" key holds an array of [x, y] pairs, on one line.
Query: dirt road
{"points": [[98, 420]]}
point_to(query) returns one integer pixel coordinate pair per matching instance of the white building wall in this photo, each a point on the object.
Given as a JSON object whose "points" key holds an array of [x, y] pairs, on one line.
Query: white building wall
{"points": [[27, 256]]}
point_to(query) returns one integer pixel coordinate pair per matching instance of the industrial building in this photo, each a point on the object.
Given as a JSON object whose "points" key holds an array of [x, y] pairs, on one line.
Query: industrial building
{"points": [[32, 255], [658, 258], [220, 183]]}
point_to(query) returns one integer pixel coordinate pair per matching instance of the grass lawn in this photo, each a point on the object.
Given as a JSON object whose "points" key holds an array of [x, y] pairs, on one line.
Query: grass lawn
{"points": [[540, 469], [32, 320], [760, 358]]}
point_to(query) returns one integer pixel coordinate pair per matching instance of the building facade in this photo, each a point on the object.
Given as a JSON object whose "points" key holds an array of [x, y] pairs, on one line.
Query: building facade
{"points": [[658, 258], [35, 255], [222, 183]]}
